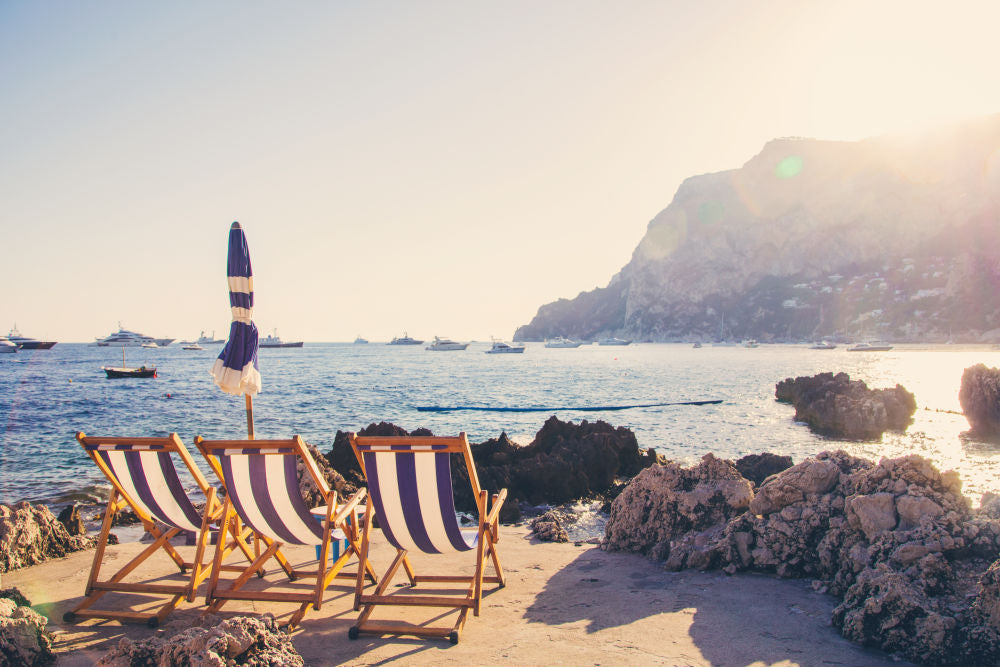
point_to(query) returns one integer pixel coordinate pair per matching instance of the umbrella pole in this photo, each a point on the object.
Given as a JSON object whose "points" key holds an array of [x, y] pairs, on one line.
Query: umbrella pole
{"points": [[249, 416]]}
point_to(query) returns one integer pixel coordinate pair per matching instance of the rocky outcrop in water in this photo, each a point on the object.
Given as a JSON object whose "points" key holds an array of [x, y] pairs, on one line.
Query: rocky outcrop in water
{"points": [[24, 641], [564, 462], [837, 406], [241, 640], [31, 534], [915, 567], [979, 397], [307, 487]]}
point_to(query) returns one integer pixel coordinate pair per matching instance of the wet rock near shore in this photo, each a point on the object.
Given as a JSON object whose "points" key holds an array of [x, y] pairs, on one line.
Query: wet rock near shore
{"points": [[979, 397], [563, 463], [23, 637], [307, 487], [31, 534], [240, 640], [758, 467], [837, 406], [70, 518], [916, 568]]}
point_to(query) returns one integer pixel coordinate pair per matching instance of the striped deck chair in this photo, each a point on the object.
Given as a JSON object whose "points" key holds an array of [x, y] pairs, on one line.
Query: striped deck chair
{"points": [[409, 481], [143, 478], [262, 490]]}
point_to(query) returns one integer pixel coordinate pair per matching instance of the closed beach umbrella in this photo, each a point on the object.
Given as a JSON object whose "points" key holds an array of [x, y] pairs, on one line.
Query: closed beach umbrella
{"points": [[236, 370]]}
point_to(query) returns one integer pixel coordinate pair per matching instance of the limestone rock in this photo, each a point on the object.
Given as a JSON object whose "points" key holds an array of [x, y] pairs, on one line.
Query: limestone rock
{"points": [[758, 467], [872, 514], [71, 519], [814, 476], [31, 534], [664, 502], [837, 406], [241, 640], [23, 637], [310, 492], [979, 397], [548, 528]]}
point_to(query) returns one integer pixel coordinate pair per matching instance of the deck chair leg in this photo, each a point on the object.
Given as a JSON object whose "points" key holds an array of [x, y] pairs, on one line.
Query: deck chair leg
{"points": [[197, 565], [363, 558], [244, 577], [409, 570]]}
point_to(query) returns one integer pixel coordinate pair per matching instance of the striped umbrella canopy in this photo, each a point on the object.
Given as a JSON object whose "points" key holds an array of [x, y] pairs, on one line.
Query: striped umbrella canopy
{"points": [[236, 370]]}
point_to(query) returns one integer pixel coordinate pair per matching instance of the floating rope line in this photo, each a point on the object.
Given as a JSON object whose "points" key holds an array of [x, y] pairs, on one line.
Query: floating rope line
{"points": [[591, 408]]}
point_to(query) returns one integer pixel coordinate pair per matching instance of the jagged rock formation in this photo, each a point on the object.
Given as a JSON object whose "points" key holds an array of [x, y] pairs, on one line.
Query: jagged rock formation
{"points": [[24, 641], [758, 467], [882, 237], [334, 480], [548, 528], [71, 519], [916, 568], [31, 534], [564, 462], [837, 406], [241, 640], [979, 397]]}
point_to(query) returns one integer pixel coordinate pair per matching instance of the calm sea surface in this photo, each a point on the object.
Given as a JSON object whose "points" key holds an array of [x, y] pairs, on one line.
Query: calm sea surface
{"points": [[46, 396]]}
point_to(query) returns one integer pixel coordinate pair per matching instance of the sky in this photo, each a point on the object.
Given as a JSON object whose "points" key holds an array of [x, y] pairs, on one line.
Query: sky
{"points": [[439, 168]]}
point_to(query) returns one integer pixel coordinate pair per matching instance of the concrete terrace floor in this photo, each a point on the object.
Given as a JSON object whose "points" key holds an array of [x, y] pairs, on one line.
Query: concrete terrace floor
{"points": [[563, 604]]}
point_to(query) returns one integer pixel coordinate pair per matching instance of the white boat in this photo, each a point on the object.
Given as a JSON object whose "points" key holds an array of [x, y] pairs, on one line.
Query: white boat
{"points": [[26, 343], [274, 341], [870, 347], [561, 342], [405, 340], [192, 346], [446, 345], [750, 342], [209, 340], [823, 345], [150, 346], [613, 341], [7, 347], [360, 341], [124, 338], [696, 345], [500, 347]]}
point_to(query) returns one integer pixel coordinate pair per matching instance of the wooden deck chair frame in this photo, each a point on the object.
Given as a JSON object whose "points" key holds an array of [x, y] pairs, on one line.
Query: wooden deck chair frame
{"points": [[487, 536], [336, 518], [121, 499]]}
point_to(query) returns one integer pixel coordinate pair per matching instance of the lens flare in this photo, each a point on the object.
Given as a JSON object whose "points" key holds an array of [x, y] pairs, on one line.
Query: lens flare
{"points": [[789, 167]]}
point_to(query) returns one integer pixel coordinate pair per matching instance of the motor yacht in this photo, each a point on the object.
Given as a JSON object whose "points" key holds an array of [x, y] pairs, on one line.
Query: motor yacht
{"points": [[500, 347], [7, 347], [209, 340], [559, 341], [870, 347], [823, 345], [613, 341], [274, 341], [124, 338], [405, 340], [26, 343], [750, 342], [360, 341], [446, 345]]}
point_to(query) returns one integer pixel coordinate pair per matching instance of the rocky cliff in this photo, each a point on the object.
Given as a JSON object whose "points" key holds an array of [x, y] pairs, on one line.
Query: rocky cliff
{"points": [[893, 237]]}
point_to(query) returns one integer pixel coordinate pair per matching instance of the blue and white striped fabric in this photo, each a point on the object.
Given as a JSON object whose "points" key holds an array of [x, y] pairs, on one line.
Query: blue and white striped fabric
{"points": [[150, 481], [264, 490], [236, 370], [413, 499]]}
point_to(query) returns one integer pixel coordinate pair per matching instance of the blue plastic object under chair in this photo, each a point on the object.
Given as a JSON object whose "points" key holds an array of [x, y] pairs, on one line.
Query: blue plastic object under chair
{"points": [[338, 540]]}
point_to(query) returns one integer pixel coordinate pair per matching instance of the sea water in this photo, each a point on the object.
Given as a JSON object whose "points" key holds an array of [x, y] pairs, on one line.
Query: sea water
{"points": [[46, 396]]}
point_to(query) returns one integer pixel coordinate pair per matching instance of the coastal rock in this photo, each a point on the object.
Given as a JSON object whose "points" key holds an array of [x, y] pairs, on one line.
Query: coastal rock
{"points": [[71, 519], [979, 397], [873, 514], [835, 405], [307, 487], [31, 534], [758, 467], [23, 637], [341, 456], [815, 476], [664, 502], [548, 528], [241, 640]]}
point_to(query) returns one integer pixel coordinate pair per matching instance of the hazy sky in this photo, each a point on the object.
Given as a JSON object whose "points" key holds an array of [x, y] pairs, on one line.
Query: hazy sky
{"points": [[435, 167]]}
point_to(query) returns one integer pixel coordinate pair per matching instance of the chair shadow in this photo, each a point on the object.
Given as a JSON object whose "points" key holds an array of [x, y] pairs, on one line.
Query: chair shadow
{"points": [[740, 619]]}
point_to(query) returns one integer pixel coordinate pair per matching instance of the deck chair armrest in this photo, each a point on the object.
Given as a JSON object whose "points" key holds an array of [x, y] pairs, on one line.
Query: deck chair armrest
{"points": [[348, 507], [491, 518]]}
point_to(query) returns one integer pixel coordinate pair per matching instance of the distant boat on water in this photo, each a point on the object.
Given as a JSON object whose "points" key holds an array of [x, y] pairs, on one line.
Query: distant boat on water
{"points": [[274, 341], [26, 343], [124, 338], [7, 347], [209, 340], [405, 340], [613, 341], [561, 342], [123, 371], [163, 342], [877, 346], [192, 346], [500, 347], [823, 345], [446, 345], [360, 341], [751, 342]]}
